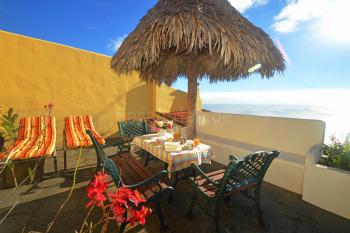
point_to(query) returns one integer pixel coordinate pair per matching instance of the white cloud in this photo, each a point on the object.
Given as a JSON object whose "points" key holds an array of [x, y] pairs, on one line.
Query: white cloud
{"points": [[321, 97], [243, 5], [115, 44], [329, 19], [334, 24]]}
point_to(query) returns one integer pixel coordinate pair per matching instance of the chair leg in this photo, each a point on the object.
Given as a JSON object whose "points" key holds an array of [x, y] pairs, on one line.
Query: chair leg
{"points": [[258, 207], [123, 225], [165, 166], [147, 158], [65, 159], [191, 207], [55, 163], [176, 180], [163, 225], [217, 218], [227, 199]]}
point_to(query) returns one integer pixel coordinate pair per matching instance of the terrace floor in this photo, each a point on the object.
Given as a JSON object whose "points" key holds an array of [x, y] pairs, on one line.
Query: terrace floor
{"points": [[36, 207]]}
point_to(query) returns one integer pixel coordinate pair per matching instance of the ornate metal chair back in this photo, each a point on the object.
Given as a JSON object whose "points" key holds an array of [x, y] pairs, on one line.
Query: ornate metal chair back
{"points": [[249, 171], [132, 128]]}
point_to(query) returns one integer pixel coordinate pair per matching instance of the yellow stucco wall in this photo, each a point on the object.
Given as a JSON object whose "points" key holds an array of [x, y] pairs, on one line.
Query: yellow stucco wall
{"points": [[171, 100], [34, 72]]}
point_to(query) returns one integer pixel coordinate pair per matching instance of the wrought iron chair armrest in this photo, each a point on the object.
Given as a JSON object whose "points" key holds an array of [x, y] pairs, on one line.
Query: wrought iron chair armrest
{"points": [[156, 177], [120, 141], [201, 173], [233, 158]]}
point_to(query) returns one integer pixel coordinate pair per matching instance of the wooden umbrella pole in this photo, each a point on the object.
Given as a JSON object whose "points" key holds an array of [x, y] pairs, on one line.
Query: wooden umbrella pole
{"points": [[192, 104]]}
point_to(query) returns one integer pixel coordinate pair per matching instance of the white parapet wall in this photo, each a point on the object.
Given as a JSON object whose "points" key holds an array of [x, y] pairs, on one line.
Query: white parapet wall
{"points": [[296, 139], [326, 187]]}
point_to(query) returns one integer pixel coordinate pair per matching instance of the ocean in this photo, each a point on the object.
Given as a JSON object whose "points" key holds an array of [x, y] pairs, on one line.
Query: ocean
{"points": [[337, 119]]}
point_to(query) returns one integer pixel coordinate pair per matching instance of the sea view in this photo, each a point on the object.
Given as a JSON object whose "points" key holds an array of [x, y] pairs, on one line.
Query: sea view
{"points": [[336, 118]]}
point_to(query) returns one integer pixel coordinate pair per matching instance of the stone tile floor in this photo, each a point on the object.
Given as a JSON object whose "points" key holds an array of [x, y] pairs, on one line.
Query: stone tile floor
{"points": [[36, 207]]}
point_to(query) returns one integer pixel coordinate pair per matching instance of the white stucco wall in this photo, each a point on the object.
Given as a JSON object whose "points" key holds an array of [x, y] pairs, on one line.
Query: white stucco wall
{"points": [[327, 188], [296, 139]]}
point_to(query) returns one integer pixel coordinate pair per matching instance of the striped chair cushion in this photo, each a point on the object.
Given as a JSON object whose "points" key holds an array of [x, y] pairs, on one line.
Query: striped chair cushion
{"points": [[75, 131], [36, 138]]}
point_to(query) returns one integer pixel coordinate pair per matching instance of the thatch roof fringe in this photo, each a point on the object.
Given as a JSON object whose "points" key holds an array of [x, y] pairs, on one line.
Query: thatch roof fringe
{"points": [[207, 37]]}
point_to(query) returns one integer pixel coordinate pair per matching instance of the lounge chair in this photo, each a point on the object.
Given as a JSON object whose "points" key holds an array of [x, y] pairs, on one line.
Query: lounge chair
{"points": [[75, 136], [36, 139], [241, 175]]}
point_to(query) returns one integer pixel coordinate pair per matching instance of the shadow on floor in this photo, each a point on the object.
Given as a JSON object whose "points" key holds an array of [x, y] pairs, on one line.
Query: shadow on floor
{"points": [[35, 209]]}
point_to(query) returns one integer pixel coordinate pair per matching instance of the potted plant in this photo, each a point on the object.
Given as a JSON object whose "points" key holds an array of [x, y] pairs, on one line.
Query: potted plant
{"points": [[8, 133], [164, 126], [336, 153], [327, 183], [8, 124]]}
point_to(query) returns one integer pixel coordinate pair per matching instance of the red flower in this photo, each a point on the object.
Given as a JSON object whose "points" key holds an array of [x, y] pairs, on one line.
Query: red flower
{"points": [[96, 190], [123, 200], [121, 196], [139, 215], [137, 198], [118, 213]]}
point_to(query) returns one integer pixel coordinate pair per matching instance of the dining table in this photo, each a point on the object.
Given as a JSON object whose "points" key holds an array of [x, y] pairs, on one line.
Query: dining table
{"points": [[178, 162]]}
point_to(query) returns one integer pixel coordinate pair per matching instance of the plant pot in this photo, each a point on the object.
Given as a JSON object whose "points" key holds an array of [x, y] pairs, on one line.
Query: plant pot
{"points": [[162, 132], [21, 171]]}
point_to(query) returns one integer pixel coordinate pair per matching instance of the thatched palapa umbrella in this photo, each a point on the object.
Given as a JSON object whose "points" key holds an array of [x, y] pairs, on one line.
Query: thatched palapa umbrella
{"points": [[197, 39]]}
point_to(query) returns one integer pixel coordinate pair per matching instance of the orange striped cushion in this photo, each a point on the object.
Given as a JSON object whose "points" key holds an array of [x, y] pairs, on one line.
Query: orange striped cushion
{"points": [[75, 131], [36, 138]]}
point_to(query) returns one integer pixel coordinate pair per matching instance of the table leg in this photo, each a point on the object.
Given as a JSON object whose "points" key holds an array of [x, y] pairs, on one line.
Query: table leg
{"points": [[176, 180]]}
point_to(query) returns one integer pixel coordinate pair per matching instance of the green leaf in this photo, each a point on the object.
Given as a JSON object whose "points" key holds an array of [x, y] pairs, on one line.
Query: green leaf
{"points": [[2, 118], [8, 118], [347, 143], [31, 175], [10, 165], [6, 121], [10, 112], [14, 117]]}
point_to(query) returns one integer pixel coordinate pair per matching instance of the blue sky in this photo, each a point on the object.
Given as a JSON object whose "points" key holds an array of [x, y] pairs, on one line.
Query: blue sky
{"points": [[314, 34]]}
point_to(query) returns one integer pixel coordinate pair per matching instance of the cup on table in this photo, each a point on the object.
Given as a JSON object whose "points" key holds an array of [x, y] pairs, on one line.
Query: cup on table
{"points": [[189, 144], [196, 142], [176, 136]]}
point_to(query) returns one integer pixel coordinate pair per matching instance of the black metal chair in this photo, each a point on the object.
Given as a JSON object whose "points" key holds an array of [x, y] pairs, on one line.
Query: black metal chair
{"points": [[128, 172], [241, 175], [132, 128]]}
